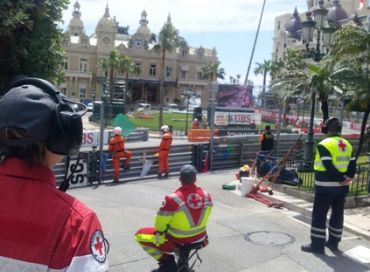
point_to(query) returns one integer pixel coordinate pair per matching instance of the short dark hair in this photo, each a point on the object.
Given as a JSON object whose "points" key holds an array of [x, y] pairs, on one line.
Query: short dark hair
{"points": [[32, 153], [267, 127], [188, 174]]}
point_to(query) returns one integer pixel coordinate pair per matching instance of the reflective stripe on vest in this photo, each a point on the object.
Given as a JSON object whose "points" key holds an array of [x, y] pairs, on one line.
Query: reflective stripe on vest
{"points": [[194, 228], [340, 150]]}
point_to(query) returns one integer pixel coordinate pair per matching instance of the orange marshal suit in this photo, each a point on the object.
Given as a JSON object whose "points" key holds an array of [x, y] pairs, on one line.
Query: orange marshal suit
{"points": [[117, 147], [164, 150]]}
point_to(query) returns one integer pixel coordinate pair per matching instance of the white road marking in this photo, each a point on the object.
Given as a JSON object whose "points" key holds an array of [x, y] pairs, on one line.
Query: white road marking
{"points": [[359, 253]]}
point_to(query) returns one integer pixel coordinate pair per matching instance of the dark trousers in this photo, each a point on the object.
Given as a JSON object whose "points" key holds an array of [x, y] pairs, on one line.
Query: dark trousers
{"points": [[321, 207]]}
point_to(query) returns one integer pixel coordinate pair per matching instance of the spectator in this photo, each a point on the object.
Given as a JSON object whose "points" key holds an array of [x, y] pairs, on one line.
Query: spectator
{"points": [[43, 228]]}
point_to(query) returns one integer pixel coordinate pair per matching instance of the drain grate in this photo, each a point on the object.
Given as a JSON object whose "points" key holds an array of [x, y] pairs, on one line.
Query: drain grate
{"points": [[269, 238]]}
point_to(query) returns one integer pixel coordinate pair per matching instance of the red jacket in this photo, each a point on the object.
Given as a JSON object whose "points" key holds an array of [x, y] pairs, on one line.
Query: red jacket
{"points": [[43, 228]]}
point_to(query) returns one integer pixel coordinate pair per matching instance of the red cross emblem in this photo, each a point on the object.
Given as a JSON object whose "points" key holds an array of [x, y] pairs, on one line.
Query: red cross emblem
{"points": [[194, 201], [98, 247], [342, 145]]}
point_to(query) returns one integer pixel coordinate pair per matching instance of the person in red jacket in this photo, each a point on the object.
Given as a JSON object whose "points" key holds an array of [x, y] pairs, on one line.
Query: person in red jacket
{"points": [[181, 220], [117, 148], [43, 228], [163, 151], [195, 124]]}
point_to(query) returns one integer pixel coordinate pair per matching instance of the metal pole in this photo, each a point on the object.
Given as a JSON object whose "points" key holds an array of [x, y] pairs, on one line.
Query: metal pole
{"points": [[212, 125], [255, 42], [102, 126], [101, 138], [310, 141], [187, 114]]}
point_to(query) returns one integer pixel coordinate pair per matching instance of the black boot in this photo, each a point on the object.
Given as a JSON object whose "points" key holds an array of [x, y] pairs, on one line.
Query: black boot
{"points": [[333, 246], [167, 265], [311, 249]]}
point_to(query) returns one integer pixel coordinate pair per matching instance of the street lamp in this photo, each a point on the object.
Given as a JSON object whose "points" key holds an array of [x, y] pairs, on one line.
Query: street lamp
{"points": [[187, 93], [308, 28]]}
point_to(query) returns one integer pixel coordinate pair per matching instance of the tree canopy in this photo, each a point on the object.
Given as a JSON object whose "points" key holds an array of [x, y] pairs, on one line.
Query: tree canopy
{"points": [[30, 41]]}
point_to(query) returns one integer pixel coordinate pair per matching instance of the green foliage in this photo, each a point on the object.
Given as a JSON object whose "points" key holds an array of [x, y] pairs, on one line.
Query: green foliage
{"points": [[30, 42], [177, 100], [212, 71]]}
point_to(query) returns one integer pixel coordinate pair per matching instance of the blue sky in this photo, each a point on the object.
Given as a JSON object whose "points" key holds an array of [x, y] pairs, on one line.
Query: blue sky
{"points": [[230, 26]]}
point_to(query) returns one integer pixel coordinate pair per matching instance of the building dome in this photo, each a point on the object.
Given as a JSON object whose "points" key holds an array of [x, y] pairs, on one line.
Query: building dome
{"points": [[106, 23], [76, 25], [294, 26], [143, 28], [336, 13]]}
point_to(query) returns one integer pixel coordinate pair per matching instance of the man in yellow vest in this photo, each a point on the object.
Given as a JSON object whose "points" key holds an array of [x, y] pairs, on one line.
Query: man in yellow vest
{"points": [[334, 168], [181, 220]]}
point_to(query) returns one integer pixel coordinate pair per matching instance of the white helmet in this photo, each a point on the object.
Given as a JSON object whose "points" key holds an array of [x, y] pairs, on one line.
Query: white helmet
{"points": [[117, 130], [165, 128]]}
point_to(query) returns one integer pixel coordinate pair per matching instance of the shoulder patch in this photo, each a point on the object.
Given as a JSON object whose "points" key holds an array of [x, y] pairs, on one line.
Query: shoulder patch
{"points": [[98, 246]]}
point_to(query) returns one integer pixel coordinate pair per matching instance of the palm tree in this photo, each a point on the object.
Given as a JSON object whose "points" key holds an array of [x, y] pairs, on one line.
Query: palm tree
{"points": [[168, 41], [211, 71], [127, 66], [238, 78], [263, 68], [290, 79], [352, 48], [110, 65]]}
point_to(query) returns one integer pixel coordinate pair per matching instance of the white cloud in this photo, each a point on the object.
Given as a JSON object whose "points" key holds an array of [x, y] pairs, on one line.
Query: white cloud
{"points": [[187, 15]]}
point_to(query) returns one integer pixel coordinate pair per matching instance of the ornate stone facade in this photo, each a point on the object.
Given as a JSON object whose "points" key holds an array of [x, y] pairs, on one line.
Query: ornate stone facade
{"points": [[84, 77], [284, 38]]}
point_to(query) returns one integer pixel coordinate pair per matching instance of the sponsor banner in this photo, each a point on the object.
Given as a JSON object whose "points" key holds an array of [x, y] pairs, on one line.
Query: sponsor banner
{"points": [[79, 177], [237, 118], [91, 138], [236, 132]]}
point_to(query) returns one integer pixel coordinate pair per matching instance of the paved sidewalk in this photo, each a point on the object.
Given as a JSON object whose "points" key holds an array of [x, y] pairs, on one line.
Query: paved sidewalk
{"points": [[356, 220]]}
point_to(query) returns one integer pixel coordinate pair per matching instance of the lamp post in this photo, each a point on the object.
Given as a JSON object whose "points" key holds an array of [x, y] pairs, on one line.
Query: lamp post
{"points": [[308, 28], [102, 126], [213, 92], [187, 93]]}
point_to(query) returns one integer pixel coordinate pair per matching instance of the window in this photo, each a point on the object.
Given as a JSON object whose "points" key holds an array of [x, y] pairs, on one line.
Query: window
{"points": [[73, 94], [65, 63], [168, 71], [152, 69], [83, 64], [82, 92], [184, 52], [199, 75], [183, 74]]}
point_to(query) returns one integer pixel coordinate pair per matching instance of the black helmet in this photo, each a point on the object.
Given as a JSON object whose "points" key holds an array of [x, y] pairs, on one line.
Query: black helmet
{"points": [[332, 125]]}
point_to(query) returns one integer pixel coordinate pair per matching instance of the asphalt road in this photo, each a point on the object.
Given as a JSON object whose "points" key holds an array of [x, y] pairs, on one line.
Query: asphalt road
{"points": [[244, 235]]}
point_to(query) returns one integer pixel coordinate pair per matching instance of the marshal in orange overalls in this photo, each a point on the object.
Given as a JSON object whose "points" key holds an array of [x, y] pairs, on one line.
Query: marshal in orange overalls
{"points": [[164, 150], [117, 148]]}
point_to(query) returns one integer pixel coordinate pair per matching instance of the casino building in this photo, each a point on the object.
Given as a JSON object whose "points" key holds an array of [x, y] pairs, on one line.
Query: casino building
{"points": [[84, 77]]}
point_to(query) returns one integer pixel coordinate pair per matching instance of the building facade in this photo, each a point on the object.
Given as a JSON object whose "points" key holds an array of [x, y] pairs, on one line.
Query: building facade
{"points": [[288, 28], [84, 76]]}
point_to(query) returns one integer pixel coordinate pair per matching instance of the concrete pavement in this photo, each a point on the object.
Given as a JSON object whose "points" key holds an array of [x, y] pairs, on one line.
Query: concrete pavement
{"points": [[245, 235]]}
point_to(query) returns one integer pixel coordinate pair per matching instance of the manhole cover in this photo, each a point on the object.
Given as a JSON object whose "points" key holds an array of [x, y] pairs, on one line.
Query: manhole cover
{"points": [[269, 238]]}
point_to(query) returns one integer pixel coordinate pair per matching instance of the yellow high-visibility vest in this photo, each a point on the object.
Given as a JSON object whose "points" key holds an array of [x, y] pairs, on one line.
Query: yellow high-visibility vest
{"points": [[340, 150]]}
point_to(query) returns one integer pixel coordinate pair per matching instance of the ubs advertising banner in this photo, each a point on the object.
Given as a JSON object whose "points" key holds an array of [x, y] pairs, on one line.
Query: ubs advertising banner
{"points": [[230, 118]]}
